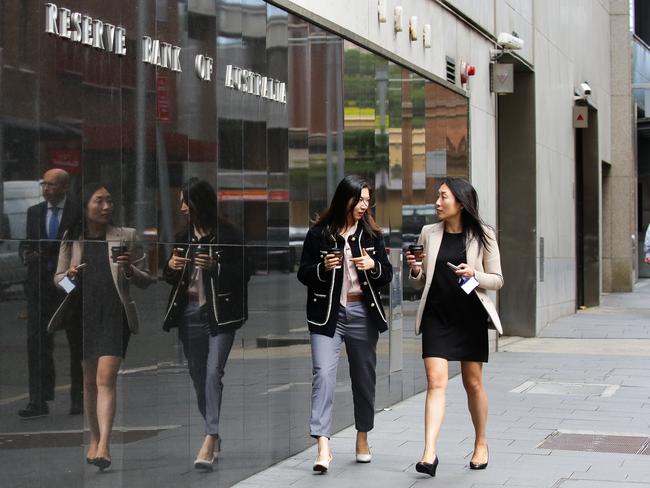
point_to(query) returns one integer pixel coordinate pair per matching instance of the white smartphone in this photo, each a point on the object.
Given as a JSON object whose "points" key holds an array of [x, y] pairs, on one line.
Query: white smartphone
{"points": [[452, 266]]}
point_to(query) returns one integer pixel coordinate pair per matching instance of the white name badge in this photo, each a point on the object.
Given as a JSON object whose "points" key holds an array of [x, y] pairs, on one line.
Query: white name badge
{"points": [[67, 284], [469, 284]]}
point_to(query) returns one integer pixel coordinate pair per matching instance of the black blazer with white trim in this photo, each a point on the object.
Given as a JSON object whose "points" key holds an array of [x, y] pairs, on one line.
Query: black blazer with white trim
{"points": [[324, 287], [225, 287]]}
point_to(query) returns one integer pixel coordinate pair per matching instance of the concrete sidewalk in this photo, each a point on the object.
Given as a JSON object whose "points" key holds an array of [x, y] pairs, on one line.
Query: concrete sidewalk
{"points": [[584, 380]]}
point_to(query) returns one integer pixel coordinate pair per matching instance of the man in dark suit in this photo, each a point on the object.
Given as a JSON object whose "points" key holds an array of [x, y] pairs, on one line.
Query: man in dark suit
{"points": [[46, 223]]}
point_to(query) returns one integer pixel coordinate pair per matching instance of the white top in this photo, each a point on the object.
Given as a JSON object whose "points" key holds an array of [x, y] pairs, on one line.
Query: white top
{"points": [[350, 278]]}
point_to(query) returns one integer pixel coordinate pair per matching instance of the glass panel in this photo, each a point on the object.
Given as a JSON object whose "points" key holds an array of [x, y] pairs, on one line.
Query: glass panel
{"points": [[258, 170]]}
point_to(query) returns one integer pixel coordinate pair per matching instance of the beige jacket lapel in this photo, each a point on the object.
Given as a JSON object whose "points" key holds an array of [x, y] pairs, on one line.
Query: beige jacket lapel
{"points": [[433, 246]]}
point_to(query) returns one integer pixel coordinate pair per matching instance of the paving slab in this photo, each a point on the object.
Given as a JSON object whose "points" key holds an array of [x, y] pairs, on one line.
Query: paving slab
{"points": [[607, 345]]}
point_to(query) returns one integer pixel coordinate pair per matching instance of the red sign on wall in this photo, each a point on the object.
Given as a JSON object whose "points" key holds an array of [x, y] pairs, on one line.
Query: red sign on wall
{"points": [[162, 99], [67, 159]]}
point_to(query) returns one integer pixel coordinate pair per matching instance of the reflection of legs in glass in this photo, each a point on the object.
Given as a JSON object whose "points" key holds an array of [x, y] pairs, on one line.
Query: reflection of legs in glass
{"points": [[90, 406], [434, 409], [196, 348], [219, 350], [477, 402], [76, 374], [100, 406]]}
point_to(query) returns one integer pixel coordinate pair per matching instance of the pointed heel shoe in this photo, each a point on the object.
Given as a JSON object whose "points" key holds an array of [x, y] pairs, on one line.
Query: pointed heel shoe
{"points": [[102, 463], [480, 465], [427, 468]]}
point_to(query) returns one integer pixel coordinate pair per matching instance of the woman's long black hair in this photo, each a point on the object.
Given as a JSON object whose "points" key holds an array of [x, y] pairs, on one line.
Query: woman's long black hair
{"points": [[473, 225], [200, 196], [78, 228], [334, 218]]}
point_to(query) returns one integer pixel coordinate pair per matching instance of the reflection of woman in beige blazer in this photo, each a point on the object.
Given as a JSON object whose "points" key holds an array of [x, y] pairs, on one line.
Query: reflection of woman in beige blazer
{"points": [[453, 320], [102, 306]]}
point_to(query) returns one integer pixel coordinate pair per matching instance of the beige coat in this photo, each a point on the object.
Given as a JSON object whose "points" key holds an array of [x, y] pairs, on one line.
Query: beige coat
{"points": [[486, 264], [70, 254]]}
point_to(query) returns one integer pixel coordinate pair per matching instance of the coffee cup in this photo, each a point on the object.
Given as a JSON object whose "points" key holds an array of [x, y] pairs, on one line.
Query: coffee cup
{"points": [[418, 253], [200, 249], [180, 251], [338, 253], [117, 251]]}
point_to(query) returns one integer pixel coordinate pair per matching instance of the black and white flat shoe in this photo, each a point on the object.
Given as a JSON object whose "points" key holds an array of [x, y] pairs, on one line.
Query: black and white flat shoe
{"points": [[323, 466], [205, 464]]}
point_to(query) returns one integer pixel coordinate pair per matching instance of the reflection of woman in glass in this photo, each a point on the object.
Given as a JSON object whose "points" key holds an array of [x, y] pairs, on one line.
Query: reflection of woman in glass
{"points": [[462, 250], [207, 303], [344, 264], [102, 260]]}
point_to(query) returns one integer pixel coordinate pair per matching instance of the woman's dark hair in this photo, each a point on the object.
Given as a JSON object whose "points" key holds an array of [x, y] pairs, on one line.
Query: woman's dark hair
{"points": [[200, 196], [334, 218], [87, 192], [473, 225]]}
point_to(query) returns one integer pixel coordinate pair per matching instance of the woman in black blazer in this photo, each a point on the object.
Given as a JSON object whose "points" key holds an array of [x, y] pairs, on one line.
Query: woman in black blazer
{"points": [[344, 264], [207, 303]]}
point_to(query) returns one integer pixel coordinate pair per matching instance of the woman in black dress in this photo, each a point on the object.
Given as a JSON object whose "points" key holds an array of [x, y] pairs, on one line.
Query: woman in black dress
{"points": [[101, 306], [461, 262]]}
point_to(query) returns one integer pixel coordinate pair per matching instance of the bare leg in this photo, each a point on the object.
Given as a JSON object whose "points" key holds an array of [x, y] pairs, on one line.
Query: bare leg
{"points": [[477, 402], [437, 370], [362, 443], [90, 404], [107, 368], [323, 449]]}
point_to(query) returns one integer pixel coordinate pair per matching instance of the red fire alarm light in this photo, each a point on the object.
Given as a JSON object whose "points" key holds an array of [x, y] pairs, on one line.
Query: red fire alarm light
{"points": [[466, 70]]}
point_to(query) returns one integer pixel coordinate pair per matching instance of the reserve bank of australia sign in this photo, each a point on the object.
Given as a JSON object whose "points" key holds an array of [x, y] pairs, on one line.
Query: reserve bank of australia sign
{"points": [[105, 36]]}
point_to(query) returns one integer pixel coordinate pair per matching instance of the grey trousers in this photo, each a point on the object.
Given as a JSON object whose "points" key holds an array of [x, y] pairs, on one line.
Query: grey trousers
{"points": [[360, 337], [206, 357]]}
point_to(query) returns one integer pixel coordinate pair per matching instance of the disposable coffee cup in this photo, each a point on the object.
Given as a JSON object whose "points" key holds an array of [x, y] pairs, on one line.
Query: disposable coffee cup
{"points": [[180, 251], [338, 253], [200, 249], [418, 253], [117, 251]]}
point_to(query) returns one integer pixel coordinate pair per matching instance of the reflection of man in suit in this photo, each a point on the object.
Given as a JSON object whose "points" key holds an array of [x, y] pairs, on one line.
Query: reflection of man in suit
{"points": [[46, 223]]}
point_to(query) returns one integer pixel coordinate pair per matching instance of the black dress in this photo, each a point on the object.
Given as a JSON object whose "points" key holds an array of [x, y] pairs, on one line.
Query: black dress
{"points": [[454, 324], [105, 327]]}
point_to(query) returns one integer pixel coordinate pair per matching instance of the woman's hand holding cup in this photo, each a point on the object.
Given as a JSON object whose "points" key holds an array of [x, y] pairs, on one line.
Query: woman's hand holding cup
{"points": [[177, 261], [414, 257], [333, 259]]}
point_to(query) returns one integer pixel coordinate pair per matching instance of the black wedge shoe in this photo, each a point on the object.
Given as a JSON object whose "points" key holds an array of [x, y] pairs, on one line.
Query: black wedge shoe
{"points": [[427, 468], [480, 465]]}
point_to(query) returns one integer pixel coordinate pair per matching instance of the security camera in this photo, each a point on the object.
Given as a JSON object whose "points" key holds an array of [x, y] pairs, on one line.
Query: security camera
{"points": [[509, 41], [585, 88]]}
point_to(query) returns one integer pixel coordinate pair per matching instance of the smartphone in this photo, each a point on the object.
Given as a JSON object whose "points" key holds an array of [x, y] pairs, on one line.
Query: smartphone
{"points": [[452, 266]]}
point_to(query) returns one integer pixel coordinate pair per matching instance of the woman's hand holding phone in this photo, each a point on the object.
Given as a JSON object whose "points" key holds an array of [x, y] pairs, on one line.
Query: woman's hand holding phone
{"points": [[463, 270], [74, 270]]}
